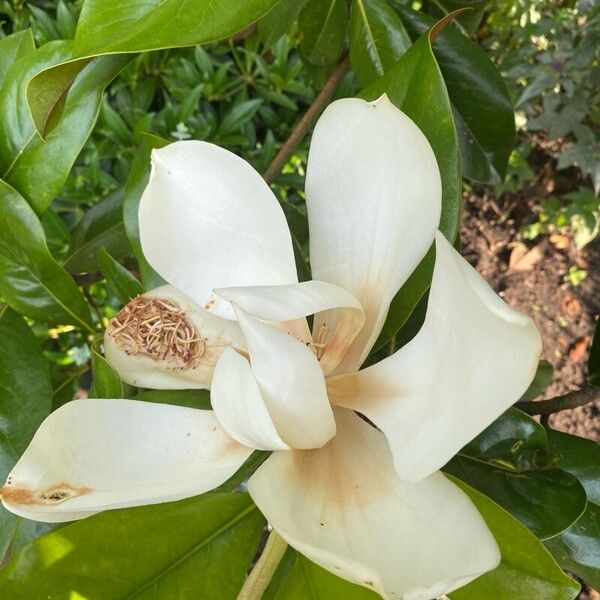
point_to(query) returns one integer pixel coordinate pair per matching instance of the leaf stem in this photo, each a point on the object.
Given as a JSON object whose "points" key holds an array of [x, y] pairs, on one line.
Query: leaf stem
{"points": [[585, 395], [301, 128], [263, 571]]}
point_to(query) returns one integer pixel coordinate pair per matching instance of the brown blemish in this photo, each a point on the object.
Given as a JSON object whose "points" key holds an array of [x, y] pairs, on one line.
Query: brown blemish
{"points": [[209, 304], [55, 495], [159, 329]]}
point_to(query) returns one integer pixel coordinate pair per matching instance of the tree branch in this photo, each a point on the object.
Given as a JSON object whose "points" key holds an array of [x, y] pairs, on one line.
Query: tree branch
{"points": [[300, 129], [585, 395]]}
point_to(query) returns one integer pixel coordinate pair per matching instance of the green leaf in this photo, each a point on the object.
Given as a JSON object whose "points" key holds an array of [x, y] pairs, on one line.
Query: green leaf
{"points": [[527, 569], [594, 358], [190, 398], [143, 25], [415, 85], [32, 282], [239, 115], [469, 20], [122, 283], [101, 227], [377, 39], [542, 379], [278, 21], [323, 27], [13, 48], [106, 382], [482, 107], [136, 183], [298, 578], [25, 401], [38, 168], [195, 548], [547, 501]]}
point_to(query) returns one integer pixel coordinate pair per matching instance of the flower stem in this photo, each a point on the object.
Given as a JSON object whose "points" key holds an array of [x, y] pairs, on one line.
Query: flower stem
{"points": [[299, 131], [264, 569], [585, 395]]}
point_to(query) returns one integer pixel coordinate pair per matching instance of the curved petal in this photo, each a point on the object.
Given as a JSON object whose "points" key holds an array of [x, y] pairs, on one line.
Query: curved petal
{"points": [[338, 314], [163, 340], [93, 455], [291, 383], [472, 359], [373, 193], [344, 507], [239, 406], [207, 220]]}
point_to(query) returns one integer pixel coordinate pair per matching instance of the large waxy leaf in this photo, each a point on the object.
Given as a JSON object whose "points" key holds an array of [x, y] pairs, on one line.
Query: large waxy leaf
{"points": [[298, 578], [542, 379], [510, 463], [578, 548], [122, 283], [25, 401], [32, 282], [38, 168], [416, 86], [482, 107], [13, 48], [136, 182], [377, 39], [278, 21], [109, 27], [200, 547], [323, 26], [527, 569], [106, 382], [101, 227]]}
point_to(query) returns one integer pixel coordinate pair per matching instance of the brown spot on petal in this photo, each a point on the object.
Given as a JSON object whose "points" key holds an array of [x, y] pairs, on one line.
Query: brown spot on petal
{"points": [[49, 496]]}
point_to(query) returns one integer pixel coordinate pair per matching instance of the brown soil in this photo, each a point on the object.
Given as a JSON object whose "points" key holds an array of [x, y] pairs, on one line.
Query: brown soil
{"points": [[529, 275]]}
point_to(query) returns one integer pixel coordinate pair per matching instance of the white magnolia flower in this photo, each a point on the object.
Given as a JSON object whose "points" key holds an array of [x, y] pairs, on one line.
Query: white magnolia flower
{"points": [[368, 504]]}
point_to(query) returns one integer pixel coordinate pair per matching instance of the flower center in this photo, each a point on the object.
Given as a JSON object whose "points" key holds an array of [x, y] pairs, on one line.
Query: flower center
{"points": [[158, 328], [319, 344]]}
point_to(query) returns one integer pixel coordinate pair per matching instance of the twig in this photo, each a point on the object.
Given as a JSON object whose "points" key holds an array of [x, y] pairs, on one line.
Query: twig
{"points": [[585, 395], [299, 131]]}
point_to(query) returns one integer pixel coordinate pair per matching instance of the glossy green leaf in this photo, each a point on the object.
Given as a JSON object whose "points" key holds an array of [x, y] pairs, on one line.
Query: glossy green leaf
{"points": [[25, 401], [542, 379], [594, 358], [106, 382], [298, 578], [200, 547], [136, 183], [377, 39], [323, 26], [279, 21], [469, 20], [101, 227], [32, 282], [416, 86], [547, 501], [13, 48], [140, 25], [190, 398], [482, 107], [38, 168], [121, 281], [527, 569]]}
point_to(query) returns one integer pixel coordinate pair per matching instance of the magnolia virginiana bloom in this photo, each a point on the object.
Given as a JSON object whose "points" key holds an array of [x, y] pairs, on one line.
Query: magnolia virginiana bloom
{"points": [[362, 497]]}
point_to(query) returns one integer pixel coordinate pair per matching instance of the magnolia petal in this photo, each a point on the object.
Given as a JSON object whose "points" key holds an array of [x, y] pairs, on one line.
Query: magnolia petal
{"points": [[291, 383], [338, 312], [208, 219], [373, 194], [344, 507], [93, 455], [239, 406], [157, 370], [472, 359]]}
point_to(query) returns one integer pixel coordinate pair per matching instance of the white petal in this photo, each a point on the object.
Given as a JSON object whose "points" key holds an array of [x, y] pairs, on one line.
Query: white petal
{"points": [[207, 220], [158, 370], [373, 193], [472, 359], [344, 507], [339, 315], [239, 406], [93, 455], [291, 383]]}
